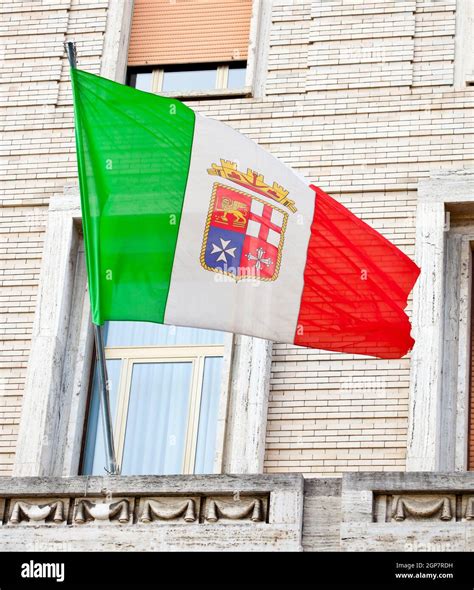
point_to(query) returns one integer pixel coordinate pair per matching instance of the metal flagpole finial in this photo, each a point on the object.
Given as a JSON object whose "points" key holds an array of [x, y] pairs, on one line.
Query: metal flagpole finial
{"points": [[70, 47]]}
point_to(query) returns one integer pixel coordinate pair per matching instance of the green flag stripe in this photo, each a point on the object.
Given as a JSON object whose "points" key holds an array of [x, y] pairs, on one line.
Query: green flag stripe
{"points": [[134, 151]]}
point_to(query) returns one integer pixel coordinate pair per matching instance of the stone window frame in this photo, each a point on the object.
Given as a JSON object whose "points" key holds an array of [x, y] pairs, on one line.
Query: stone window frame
{"points": [[59, 367], [440, 362], [464, 45], [259, 42]]}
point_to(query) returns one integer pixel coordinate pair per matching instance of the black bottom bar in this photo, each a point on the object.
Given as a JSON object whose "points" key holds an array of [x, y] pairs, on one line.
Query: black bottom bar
{"points": [[237, 570]]}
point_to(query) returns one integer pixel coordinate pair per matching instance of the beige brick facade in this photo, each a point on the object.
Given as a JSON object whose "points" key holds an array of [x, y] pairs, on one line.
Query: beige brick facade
{"points": [[37, 143], [359, 97], [377, 114]]}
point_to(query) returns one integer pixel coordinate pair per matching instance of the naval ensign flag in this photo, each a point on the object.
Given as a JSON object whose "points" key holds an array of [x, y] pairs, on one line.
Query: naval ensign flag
{"points": [[189, 222]]}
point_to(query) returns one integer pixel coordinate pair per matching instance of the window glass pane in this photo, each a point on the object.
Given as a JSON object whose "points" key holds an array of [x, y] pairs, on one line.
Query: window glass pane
{"points": [[94, 451], [157, 419], [187, 80], [142, 81], [206, 442], [150, 334], [236, 77]]}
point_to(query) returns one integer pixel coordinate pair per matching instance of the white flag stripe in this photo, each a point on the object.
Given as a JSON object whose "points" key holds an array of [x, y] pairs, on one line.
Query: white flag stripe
{"points": [[199, 297]]}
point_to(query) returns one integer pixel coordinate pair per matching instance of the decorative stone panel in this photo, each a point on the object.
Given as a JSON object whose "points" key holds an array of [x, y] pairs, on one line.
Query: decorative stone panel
{"points": [[416, 507], [241, 508], [103, 511], [422, 507], [152, 513], [37, 511], [407, 512], [169, 509], [150, 510]]}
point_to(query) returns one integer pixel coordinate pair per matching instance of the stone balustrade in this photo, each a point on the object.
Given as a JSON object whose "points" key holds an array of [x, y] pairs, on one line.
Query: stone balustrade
{"points": [[152, 513], [358, 512]]}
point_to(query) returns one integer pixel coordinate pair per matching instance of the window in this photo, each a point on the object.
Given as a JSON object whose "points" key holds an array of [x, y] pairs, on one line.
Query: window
{"points": [[141, 80], [189, 78], [192, 46], [165, 387]]}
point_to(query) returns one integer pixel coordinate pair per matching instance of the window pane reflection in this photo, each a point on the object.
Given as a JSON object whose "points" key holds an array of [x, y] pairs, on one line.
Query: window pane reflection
{"points": [[187, 80], [157, 419], [236, 78], [142, 81], [211, 388]]}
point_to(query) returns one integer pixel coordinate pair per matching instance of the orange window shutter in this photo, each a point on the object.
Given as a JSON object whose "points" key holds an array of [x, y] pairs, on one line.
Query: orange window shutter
{"points": [[189, 31]]}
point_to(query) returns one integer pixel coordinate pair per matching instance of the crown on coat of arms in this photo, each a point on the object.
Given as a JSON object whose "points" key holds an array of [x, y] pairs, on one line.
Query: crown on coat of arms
{"points": [[254, 181]]}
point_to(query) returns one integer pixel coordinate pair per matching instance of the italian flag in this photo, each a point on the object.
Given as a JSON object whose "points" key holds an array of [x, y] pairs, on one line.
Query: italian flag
{"points": [[188, 222]]}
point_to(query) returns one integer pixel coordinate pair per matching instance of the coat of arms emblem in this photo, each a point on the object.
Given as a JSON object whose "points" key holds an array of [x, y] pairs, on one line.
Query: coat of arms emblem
{"points": [[244, 234]]}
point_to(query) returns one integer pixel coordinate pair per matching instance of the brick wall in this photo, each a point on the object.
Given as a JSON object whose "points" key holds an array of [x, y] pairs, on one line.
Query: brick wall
{"points": [[359, 99], [37, 149], [376, 112]]}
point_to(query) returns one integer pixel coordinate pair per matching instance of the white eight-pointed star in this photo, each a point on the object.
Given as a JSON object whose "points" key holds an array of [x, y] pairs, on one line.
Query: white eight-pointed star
{"points": [[223, 250]]}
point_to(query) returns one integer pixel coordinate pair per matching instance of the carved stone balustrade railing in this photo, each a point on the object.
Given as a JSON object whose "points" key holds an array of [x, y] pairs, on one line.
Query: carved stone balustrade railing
{"points": [[407, 511], [360, 512], [152, 512]]}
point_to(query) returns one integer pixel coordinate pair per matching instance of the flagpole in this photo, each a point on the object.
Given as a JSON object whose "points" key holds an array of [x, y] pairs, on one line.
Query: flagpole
{"points": [[112, 467]]}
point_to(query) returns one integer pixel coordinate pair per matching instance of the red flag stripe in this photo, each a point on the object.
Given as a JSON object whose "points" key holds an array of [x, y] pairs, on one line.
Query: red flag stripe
{"points": [[356, 286]]}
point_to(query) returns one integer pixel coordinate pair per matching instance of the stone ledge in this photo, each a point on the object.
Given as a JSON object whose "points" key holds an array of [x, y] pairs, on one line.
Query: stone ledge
{"points": [[407, 511], [408, 481], [361, 512], [144, 484], [255, 512]]}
